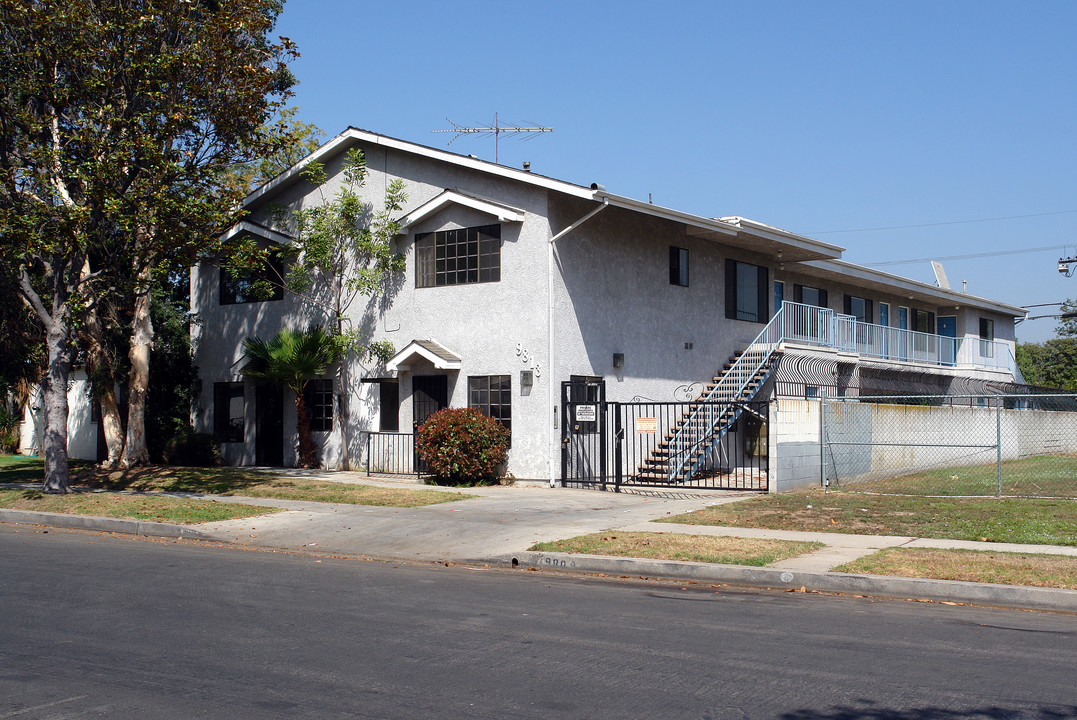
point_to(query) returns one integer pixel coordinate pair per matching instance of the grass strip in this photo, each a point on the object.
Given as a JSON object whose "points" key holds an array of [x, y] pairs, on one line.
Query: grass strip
{"points": [[985, 566], [1034, 521], [677, 546], [229, 481], [150, 508], [1038, 476]]}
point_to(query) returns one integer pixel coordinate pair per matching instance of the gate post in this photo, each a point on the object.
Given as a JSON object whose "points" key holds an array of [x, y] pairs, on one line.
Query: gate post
{"points": [[618, 438]]}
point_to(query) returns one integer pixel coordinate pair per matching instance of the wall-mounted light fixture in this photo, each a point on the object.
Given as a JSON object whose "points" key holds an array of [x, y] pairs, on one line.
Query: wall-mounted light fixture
{"points": [[527, 378], [618, 360]]}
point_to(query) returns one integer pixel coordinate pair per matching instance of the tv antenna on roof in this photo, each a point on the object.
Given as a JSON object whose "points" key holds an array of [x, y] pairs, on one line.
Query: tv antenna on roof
{"points": [[497, 130]]}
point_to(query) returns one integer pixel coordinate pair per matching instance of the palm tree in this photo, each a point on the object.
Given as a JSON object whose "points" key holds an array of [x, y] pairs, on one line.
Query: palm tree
{"points": [[292, 358]]}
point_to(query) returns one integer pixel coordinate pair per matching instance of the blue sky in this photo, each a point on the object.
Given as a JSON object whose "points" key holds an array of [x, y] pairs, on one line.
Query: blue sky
{"points": [[813, 116]]}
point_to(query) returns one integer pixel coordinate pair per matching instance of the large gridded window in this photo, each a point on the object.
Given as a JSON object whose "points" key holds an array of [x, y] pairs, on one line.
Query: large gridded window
{"points": [[260, 285], [318, 397], [458, 257], [492, 394], [228, 411], [747, 292]]}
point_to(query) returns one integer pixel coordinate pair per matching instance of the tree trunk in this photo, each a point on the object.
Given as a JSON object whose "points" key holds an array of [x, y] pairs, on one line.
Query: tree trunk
{"points": [[54, 443], [308, 453], [343, 414], [135, 451], [98, 357]]}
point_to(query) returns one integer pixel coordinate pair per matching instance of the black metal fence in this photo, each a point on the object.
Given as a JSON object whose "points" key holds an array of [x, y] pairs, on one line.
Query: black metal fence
{"points": [[391, 454], [612, 445]]}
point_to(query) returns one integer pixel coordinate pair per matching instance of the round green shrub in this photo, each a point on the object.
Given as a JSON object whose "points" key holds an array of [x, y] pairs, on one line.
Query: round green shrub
{"points": [[462, 446], [192, 450]]}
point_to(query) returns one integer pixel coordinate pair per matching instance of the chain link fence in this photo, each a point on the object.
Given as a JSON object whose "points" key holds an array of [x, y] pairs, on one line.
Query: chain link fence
{"points": [[935, 445]]}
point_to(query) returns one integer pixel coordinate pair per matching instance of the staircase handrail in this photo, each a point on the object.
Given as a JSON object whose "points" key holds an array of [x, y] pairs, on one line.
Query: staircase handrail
{"points": [[727, 389]]}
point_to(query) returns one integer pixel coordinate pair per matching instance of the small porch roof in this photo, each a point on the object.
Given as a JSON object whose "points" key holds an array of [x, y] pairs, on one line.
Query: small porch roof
{"points": [[503, 213], [431, 350]]}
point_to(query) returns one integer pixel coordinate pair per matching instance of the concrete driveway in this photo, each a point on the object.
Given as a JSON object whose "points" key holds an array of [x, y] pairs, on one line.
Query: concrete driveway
{"points": [[501, 521]]}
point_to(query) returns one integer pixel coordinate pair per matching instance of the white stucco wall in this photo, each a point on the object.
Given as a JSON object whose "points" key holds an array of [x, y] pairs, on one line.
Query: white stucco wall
{"points": [[81, 428], [611, 294]]}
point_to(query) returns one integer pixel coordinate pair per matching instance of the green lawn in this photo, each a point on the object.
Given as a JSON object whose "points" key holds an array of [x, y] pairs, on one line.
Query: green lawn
{"points": [[1041, 476], [155, 508], [1038, 521]]}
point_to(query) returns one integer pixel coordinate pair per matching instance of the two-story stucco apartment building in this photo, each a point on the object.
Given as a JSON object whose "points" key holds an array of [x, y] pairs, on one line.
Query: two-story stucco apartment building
{"points": [[516, 282]]}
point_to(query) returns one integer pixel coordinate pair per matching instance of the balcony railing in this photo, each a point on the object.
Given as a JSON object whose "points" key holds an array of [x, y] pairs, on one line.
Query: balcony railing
{"points": [[822, 327]]}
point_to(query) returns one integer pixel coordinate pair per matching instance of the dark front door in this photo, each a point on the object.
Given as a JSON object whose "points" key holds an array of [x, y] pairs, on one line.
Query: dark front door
{"points": [[269, 425], [429, 393]]}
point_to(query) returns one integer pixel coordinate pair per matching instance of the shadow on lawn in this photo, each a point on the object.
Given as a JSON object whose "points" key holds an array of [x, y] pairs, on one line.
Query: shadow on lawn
{"points": [[160, 478]]}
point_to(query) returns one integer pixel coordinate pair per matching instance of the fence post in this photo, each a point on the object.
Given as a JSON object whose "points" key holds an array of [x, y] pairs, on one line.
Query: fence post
{"points": [[822, 442], [998, 441], [368, 454]]}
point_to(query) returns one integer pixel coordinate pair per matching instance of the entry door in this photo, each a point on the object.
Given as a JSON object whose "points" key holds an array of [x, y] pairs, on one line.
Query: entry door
{"points": [[946, 326], [269, 425], [429, 393]]}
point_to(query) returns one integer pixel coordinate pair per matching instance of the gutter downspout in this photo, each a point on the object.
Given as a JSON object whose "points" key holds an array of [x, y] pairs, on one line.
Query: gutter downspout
{"points": [[549, 330]]}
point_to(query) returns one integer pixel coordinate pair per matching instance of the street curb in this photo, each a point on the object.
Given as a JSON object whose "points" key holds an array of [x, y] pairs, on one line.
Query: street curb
{"points": [[102, 524], [1010, 596]]}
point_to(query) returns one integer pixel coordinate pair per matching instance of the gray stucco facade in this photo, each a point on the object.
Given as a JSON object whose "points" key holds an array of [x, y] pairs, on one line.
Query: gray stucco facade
{"points": [[560, 309]]}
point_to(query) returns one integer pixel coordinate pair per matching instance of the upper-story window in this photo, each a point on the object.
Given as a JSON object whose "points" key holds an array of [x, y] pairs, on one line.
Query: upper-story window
{"points": [[678, 266], [860, 308], [747, 291], [265, 283], [458, 257], [923, 321], [807, 295]]}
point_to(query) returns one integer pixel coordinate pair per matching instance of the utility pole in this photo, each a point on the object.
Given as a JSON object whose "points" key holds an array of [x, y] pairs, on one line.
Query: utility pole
{"points": [[497, 130]]}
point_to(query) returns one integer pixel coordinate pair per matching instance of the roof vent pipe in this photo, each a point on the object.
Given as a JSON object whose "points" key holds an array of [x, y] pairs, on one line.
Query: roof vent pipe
{"points": [[527, 166]]}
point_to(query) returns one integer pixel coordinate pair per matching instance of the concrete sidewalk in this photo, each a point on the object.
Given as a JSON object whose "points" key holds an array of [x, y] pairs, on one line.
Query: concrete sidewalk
{"points": [[499, 526]]}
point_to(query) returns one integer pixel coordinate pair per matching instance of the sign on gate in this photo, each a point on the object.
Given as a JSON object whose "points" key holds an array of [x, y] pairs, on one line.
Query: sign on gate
{"points": [[586, 413], [646, 425]]}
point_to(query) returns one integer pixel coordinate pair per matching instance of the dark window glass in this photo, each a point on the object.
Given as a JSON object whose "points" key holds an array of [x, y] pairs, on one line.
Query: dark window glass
{"points": [[923, 321], [318, 397], [458, 257], [987, 329], [492, 394], [678, 266], [807, 295], [256, 286], [860, 308], [228, 411], [747, 292], [389, 406]]}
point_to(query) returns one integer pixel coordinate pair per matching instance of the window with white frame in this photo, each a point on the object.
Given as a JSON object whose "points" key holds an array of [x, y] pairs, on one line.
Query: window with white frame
{"points": [[987, 337]]}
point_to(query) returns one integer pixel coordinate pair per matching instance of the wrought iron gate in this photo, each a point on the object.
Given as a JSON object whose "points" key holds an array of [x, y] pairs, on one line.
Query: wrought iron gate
{"points": [[611, 445]]}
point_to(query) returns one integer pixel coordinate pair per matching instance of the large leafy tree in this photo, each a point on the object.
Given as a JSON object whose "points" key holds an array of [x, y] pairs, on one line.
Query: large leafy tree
{"points": [[292, 358], [119, 122], [1053, 363]]}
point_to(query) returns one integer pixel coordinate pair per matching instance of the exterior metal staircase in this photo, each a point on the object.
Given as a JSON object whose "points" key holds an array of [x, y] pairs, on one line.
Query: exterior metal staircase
{"points": [[697, 435]]}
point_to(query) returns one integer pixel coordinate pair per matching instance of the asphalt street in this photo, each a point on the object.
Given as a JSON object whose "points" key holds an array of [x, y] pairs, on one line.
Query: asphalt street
{"points": [[108, 626]]}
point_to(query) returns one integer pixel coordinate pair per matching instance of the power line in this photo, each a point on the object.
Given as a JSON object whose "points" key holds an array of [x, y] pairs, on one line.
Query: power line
{"points": [[936, 224], [969, 257]]}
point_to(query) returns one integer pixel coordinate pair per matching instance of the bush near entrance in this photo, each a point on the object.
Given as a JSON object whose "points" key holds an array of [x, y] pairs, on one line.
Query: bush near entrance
{"points": [[462, 446]]}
